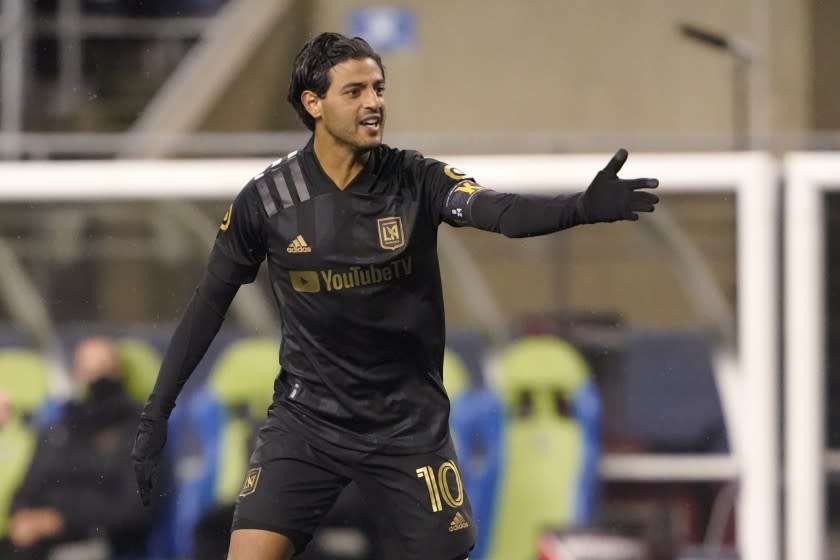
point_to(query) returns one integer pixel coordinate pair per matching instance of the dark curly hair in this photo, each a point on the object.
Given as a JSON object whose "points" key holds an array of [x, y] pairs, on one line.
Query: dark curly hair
{"points": [[312, 66]]}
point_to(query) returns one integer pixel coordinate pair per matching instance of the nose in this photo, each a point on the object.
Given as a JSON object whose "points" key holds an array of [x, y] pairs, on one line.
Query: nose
{"points": [[372, 98]]}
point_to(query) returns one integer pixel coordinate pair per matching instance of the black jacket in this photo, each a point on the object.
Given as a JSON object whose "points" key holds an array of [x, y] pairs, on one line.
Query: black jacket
{"points": [[82, 468]]}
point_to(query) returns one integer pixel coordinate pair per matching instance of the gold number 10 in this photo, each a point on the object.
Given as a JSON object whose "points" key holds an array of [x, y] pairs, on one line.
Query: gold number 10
{"points": [[439, 487]]}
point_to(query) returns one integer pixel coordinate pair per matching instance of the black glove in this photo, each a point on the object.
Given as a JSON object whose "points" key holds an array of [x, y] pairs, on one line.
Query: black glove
{"points": [[148, 447], [609, 199]]}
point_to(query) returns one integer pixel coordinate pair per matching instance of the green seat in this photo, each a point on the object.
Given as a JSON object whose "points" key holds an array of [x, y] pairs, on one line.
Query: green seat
{"points": [[242, 380], [455, 377], [23, 377], [540, 379], [139, 363]]}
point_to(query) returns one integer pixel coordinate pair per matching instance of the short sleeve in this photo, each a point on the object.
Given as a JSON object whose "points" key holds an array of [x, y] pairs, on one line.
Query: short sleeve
{"points": [[438, 180], [240, 245]]}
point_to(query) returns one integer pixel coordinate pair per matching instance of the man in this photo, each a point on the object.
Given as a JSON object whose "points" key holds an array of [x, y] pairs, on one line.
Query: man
{"points": [[349, 227], [80, 484]]}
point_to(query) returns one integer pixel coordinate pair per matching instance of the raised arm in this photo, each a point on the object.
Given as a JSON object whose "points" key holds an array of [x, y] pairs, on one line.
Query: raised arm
{"points": [[607, 199]]}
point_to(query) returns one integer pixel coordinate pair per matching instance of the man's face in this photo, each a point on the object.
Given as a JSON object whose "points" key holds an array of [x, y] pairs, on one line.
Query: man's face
{"points": [[353, 109], [95, 358]]}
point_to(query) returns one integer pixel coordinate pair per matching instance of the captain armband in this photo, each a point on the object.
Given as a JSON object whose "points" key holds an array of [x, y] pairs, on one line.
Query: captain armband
{"points": [[457, 210]]}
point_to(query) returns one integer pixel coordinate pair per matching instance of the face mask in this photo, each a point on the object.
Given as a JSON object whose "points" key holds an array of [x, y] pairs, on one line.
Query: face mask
{"points": [[103, 388]]}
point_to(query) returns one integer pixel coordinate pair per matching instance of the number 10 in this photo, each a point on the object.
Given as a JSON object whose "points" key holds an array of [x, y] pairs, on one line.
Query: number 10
{"points": [[439, 487]]}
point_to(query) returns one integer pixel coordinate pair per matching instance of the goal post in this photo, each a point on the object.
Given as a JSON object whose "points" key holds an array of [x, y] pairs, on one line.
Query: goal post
{"points": [[752, 178], [809, 178]]}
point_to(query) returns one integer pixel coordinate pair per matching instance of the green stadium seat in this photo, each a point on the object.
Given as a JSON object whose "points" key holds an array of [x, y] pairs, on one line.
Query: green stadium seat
{"points": [[456, 379], [224, 415], [242, 380], [23, 376], [551, 444], [140, 363]]}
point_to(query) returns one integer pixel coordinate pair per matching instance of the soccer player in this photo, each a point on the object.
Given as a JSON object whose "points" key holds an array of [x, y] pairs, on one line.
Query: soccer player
{"points": [[348, 227]]}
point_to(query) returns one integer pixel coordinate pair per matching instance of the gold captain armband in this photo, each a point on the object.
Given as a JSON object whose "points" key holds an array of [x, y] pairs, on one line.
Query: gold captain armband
{"points": [[457, 208], [467, 187]]}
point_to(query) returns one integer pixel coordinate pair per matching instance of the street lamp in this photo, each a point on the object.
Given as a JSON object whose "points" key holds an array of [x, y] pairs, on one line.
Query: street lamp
{"points": [[743, 54]]}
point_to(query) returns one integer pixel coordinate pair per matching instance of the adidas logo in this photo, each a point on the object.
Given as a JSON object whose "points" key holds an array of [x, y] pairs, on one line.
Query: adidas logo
{"points": [[298, 245], [458, 523]]}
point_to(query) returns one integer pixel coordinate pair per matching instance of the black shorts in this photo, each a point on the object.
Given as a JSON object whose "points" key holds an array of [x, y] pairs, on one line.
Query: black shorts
{"points": [[418, 500]]}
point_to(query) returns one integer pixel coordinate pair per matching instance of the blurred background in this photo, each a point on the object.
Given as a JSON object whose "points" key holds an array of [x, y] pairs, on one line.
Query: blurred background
{"points": [[598, 377]]}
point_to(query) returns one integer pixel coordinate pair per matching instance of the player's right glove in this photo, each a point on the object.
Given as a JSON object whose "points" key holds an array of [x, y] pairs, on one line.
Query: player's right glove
{"points": [[147, 451], [609, 198]]}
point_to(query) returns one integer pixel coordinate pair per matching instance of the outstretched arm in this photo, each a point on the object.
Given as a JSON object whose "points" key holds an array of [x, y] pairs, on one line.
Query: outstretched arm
{"points": [[607, 199]]}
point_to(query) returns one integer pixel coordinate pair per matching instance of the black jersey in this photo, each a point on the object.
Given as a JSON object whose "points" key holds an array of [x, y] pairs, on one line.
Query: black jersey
{"points": [[355, 273]]}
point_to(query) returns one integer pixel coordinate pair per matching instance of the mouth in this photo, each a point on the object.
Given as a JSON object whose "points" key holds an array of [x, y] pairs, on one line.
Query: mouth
{"points": [[372, 124]]}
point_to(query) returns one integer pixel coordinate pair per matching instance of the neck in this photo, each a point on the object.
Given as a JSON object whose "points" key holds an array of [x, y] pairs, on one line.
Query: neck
{"points": [[339, 161]]}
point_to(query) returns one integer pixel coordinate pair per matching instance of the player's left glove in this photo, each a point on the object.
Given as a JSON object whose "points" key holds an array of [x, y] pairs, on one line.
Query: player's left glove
{"points": [[146, 453], [609, 199]]}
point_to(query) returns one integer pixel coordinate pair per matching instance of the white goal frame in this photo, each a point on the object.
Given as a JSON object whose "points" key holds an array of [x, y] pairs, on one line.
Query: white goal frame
{"points": [[809, 177], [750, 177]]}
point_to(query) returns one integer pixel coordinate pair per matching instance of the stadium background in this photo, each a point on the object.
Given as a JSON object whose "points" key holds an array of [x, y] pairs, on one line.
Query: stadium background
{"points": [[102, 79]]}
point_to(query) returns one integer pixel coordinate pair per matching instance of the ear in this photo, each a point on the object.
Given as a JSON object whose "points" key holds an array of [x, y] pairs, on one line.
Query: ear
{"points": [[312, 103]]}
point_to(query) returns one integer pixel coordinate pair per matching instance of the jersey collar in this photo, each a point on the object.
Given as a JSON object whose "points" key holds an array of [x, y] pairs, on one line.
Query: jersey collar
{"points": [[363, 182]]}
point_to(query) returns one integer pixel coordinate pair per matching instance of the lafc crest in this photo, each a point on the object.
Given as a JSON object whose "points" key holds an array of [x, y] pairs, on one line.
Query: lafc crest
{"points": [[252, 477], [391, 233]]}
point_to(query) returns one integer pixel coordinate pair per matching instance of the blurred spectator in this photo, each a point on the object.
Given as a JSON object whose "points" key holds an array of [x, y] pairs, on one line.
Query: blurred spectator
{"points": [[81, 482]]}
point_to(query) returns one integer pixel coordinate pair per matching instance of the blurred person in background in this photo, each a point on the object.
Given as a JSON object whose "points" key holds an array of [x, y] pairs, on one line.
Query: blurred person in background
{"points": [[349, 229], [80, 485]]}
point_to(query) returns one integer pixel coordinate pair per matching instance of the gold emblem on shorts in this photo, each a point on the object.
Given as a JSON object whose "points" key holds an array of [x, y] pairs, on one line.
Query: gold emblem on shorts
{"points": [[251, 480], [391, 234]]}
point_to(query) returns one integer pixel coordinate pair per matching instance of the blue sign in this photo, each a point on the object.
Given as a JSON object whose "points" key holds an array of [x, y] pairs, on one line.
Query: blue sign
{"points": [[386, 28]]}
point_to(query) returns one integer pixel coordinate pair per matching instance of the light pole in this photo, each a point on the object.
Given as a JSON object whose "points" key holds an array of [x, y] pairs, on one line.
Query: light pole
{"points": [[743, 54]]}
